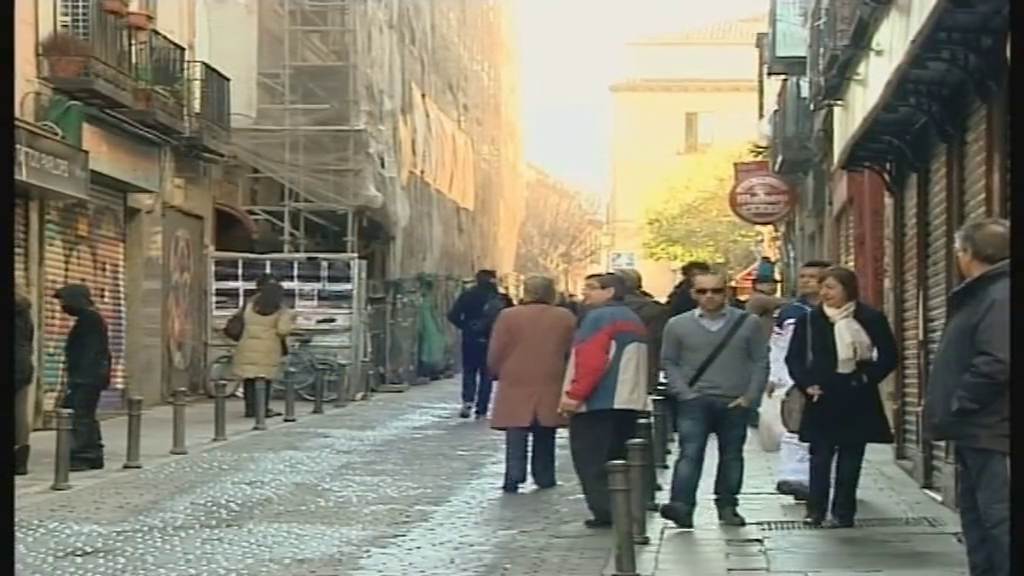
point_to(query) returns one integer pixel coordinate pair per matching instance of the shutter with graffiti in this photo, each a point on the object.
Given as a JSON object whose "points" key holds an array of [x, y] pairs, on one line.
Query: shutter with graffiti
{"points": [[184, 301], [937, 256], [21, 242], [975, 201]]}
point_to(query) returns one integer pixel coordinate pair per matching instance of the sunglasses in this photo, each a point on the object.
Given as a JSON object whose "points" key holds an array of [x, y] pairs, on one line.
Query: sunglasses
{"points": [[706, 291]]}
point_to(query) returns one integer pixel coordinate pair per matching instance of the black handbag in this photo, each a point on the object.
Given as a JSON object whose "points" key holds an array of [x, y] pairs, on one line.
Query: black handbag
{"points": [[235, 326]]}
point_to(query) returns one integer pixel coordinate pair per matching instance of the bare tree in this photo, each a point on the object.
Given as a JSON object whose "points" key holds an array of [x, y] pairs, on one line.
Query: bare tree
{"points": [[560, 233]]}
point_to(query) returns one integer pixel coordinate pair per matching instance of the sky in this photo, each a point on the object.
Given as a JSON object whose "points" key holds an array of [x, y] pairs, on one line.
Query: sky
{"points": [[570, 53]]}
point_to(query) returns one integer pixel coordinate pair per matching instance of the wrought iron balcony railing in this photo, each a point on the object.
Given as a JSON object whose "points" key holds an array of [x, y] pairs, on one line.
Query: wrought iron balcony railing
{"points": [[209, 107]]}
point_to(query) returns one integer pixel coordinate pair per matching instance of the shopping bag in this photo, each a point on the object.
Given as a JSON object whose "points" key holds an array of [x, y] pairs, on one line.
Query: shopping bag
{"points": [[792, 409], [769, 423]]}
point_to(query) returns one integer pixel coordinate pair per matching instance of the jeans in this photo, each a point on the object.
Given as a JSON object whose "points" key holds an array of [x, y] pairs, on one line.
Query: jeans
{"points": [[698, 418], [541, 458], [983, 495], [86, 439], [595, 438], [848, 458], [476, 381]]}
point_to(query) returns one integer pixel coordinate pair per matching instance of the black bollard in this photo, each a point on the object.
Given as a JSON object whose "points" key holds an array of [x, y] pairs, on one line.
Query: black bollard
{"points": [[260, 388], [622, 518], [318, 393], [132, 459], [643, 431], [178, 423], [636, 457], [62, 460], [220, 411], [289, 400], [659, 433]]}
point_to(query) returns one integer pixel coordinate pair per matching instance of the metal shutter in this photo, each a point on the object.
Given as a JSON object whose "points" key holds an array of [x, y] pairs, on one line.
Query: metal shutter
{"points": [[21, 242], [185, 282], [910, 313], [975, 201], [937, 256], [84, 243]]}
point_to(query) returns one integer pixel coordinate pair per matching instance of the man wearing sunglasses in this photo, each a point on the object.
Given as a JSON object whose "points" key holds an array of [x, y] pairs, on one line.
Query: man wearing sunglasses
{"points": [[716, 359]]}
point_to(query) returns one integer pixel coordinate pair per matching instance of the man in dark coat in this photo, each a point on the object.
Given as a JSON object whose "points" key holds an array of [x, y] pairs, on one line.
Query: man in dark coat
{"points": [[652, 313], [24, 371], [87, 363], [680, 300], [968, 395], [474, 313]]}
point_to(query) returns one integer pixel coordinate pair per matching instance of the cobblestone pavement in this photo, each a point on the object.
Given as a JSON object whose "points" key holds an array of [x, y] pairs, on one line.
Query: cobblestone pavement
{"points": [[392, 486]]}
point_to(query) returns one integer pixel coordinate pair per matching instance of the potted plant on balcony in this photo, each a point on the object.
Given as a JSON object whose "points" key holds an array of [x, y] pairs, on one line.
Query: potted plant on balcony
{"points": [[66, 54]]}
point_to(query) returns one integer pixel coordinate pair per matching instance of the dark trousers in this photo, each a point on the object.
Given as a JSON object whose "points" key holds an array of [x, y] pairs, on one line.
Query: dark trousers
{"points": [[249, 392], [595, 438], [983, 496], [697, 419], [541, 457], [86, 439], [848, 461], [477, 383]]}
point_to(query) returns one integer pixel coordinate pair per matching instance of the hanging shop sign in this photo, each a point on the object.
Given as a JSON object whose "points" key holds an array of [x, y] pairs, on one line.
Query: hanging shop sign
{"points": [[41, 161], [761, 199]]}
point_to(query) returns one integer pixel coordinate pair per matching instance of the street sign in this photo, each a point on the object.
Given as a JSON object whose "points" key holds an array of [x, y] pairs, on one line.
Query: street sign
{"points": [[761, 200], [617, 260]]}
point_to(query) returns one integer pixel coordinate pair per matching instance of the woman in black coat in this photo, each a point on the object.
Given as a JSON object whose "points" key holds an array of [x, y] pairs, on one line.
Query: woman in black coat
{"points": [[23, 374], [840, 353]]}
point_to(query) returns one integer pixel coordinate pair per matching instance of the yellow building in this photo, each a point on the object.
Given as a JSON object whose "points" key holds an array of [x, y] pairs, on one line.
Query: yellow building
{"points": [[682, 94]]}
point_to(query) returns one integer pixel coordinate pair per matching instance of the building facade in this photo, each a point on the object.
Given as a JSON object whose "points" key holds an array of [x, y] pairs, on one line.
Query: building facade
{"points": [[908, 109], [682, 94]]}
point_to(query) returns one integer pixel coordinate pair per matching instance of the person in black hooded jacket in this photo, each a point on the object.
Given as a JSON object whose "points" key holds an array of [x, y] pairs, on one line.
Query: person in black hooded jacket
{"points": [[474, 313], [87, 366], [23, 374]]}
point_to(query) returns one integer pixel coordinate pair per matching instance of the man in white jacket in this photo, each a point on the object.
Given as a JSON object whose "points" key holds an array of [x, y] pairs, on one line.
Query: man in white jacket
{"points": [[793, 472]]}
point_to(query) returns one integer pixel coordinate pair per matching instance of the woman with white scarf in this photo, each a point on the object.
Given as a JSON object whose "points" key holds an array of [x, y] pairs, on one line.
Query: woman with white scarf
{"points": [[840, 352]]}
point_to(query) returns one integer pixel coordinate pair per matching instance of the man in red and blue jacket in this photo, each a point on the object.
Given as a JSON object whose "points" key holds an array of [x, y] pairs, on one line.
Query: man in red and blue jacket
{"points": [[605, 387]]}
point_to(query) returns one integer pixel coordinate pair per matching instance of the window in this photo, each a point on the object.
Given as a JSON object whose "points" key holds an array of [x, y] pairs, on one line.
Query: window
{"points": [[699, 132]]}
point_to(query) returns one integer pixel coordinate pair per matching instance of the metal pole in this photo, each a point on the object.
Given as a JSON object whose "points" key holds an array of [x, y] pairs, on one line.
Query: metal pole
{"points": [[289, 400], [670, 414], [636, 455], [644, 432], [132, 460], [659, 433], [339, 385], [62, 462], [260, 388], [220, 411], [622, 522], [178, 423], [318, 392]]}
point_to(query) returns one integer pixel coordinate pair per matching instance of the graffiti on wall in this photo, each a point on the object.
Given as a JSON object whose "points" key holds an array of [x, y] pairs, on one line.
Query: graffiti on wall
{"points": [[83, 245], [181, 324]]}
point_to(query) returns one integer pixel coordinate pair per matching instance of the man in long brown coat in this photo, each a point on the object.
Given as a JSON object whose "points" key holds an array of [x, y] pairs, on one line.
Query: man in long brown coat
{"points": [[528, 352]]}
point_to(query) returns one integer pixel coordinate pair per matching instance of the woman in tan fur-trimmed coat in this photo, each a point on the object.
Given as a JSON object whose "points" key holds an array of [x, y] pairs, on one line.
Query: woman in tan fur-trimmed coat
{"points": [[528, 352]]}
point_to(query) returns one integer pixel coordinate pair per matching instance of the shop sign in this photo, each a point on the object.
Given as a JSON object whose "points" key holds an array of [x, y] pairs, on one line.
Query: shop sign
{"points": [[46, 162], [761, 200]]}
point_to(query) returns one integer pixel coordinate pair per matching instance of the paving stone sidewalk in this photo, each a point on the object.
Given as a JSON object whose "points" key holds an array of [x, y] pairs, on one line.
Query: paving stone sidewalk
{"points": [[392, 486], [906, 532]]}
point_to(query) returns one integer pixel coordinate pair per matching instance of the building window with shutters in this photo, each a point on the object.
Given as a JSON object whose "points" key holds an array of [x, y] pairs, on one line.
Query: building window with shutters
{"points": [[699, 132]]}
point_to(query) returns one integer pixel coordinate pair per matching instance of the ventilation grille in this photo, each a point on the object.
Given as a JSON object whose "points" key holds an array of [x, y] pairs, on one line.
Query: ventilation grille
{"points": [[909, 521]]}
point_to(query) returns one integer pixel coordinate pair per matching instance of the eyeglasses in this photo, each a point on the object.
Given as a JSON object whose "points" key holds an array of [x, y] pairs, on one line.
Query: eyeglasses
{"points": [[706, 291]]}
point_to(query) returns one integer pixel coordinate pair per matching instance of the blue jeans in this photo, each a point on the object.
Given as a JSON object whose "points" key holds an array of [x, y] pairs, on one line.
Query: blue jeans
{"points": [[696, 419], [541, 457], [476, 381]]}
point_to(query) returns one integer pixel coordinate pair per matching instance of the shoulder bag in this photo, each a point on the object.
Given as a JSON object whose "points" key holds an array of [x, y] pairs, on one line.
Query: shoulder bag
{"points": [[794, 401], [717, 350], [235, 326]]}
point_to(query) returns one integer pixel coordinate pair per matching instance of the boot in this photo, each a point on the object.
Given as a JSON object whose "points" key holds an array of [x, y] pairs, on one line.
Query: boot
{"points": [[679, 514], [21, 460], [728, 516]]}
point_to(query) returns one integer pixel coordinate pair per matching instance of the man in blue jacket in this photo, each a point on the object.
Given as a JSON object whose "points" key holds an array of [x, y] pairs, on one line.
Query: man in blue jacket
{"points": [[968, 394], [474, 313]]}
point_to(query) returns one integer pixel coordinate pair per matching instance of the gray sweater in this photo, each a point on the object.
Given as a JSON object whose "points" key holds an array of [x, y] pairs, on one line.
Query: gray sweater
{"points": [[740, 370]]}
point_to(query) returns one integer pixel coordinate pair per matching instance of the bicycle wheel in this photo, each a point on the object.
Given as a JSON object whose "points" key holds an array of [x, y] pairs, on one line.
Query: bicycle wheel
{"points": [[298, 368], [222, 369], [330, 372]]}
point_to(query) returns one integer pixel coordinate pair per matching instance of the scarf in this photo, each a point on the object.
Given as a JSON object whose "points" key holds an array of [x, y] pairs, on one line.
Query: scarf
{"points": [[853, 344]]}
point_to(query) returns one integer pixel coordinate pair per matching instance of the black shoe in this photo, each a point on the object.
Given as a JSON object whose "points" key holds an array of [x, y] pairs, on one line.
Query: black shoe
{"points": [[480, 416], [813, 521], [681, 515], [510, 488], [467, 410], [272, 413], [801, 495], [21, 460], [546, 485], [838, 522], [83, 466], [597, 523], [728, 516]]}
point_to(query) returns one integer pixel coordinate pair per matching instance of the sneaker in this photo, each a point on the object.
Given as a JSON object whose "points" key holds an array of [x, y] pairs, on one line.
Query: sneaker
{"points": [[728, 516], [467, 410], [679, 514]]}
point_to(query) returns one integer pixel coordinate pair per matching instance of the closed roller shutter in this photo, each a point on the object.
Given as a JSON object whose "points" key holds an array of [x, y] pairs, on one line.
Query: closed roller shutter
{"points": [[185, 282], [910, 314], [846, 238], [21, 242], [975, 201], [937, 287], [84, 244]]}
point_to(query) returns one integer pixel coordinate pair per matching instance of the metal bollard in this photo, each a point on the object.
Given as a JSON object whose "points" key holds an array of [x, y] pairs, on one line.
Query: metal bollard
{"points": [[622, 518], [260, 389], [636, 457], [62, 462], [220, 411], [318, 393], [659, 433], [339, 386], [132, 459], [644, 432], [289, 400], [178, 423]]}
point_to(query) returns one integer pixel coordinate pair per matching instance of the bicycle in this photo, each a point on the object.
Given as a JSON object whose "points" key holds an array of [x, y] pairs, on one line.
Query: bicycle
{"points": [[300, 367]]}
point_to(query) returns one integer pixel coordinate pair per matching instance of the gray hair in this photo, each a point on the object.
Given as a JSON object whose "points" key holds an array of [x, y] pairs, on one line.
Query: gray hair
{"points": [[987, 240], [631, 278], [540, 289]]}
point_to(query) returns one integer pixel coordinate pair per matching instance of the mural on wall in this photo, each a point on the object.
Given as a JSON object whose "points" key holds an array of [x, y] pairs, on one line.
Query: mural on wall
{"points": [[184, 300], [84, 244]]}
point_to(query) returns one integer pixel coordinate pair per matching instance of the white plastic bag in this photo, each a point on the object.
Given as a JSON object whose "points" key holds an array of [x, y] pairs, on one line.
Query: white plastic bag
{"points": [[769, 423]]}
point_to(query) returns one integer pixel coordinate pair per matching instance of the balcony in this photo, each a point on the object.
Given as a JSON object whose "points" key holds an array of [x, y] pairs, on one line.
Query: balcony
{"points": [[834, 43], [159, 95], [209, 109], [787, 38], [792, 149], [89, 56]]}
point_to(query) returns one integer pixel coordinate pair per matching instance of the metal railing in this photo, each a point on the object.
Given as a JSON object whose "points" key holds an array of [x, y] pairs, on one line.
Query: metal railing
{"points": [[105, 38], [160, 64], [210, 95]]}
